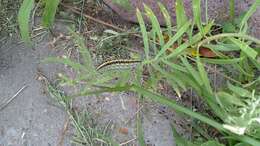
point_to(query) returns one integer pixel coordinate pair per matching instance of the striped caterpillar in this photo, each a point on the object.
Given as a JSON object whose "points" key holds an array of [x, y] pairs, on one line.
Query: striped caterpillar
{"points": [[118, 64]]}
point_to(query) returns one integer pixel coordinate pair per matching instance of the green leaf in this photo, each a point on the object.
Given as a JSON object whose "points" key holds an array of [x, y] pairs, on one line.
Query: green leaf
{"points": [[250, 52], [227, 99], [171, 77], [173, 39], [155, 24], [181, 17], [183, 47], [144, 33], [175, 66], [24, 19], [204, 75], [84, 52], [232, 9], [49, 12], [229, 28], [124, 78], [239, 91], [222, 47], [249, 13], [175, 87], [197, 14], [222, 61], [167, 18], [212, 143], [195, 74], [104, 77], [172, 104]]}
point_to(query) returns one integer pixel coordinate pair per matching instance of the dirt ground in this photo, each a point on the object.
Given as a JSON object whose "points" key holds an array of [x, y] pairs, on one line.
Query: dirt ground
{"points": [[30, 119], [34, 119]]}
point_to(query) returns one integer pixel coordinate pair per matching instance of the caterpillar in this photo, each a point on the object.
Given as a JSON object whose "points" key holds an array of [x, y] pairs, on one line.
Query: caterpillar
{"points": [[120, 63]]}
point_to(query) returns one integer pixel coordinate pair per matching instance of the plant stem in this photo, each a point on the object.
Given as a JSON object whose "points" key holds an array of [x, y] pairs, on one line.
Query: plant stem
{"points": [[172, 104], [232, 9], [223, 35]]}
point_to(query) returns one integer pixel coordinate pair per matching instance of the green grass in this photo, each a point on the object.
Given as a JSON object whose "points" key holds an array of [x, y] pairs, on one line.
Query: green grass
{"points": [[24, 17], [234, 106], [8, 18]]}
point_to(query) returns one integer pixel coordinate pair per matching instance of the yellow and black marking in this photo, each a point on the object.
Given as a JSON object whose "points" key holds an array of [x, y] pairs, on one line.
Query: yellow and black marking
{"points": [[120, 63]]}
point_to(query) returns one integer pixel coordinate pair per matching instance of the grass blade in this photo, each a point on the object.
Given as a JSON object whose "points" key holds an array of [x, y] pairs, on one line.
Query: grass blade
{"points": [[155, 24], [183, 47], [84, 52], [239, 91], [222, 61], [144, 33], [192, 71], [250, 52], [204, 75], [175, 66], [228, 99], [173, 39], [197, 14], [181, 17], [222, 47], [24, 19], [172, 104], [167, 18], [249, 13], [49, 12]]}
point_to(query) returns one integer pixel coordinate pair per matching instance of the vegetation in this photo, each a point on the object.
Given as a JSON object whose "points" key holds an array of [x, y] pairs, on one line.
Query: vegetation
{"points": [[180, 62]]}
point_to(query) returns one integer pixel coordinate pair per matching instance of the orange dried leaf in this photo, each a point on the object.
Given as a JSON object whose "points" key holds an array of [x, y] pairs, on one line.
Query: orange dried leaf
{"points": [[205, 52], [123, 130]]}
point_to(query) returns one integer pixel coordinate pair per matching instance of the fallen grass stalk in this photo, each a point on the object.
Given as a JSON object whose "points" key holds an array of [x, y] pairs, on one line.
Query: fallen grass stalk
{"points": [[5, 103]]}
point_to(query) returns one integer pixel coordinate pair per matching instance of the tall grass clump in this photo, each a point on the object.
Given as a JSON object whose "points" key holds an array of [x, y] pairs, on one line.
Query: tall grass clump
{"points": [[24, 16], [181, 62]]}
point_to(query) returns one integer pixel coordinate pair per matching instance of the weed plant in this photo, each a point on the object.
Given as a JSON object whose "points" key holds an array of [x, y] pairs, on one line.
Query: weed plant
{"points": [[235, 105]]}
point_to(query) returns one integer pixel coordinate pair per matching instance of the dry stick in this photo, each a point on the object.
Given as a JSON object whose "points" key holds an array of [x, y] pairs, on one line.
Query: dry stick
{"points": [[77, 11], [4, 104], [92, 18], [64, 131], [134, 115], [127, 142]]}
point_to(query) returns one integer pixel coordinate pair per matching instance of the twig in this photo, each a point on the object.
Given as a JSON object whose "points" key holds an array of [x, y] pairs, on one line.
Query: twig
{"points": [[127, 142], [34, 12], [134, 115], [63, 133], [5, 103], [92, 18], [122, 103], [81, 15], [77, 11]]}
